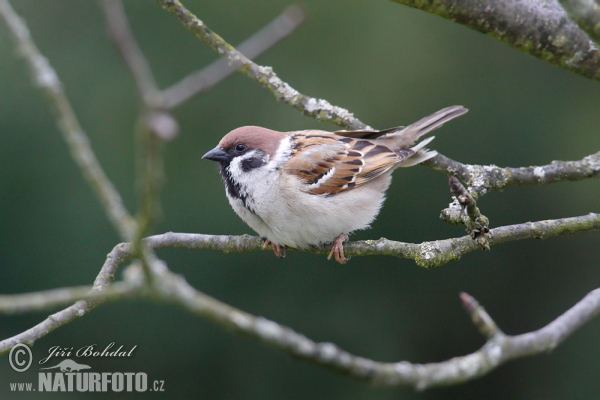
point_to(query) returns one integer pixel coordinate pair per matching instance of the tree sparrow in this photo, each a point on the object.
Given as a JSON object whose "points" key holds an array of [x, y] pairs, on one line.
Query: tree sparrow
{"points": [[308, 188]]}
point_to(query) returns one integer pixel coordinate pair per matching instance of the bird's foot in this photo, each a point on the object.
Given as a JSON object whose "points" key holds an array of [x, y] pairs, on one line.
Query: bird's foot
{"points": [[337, 249], [278, 250]]}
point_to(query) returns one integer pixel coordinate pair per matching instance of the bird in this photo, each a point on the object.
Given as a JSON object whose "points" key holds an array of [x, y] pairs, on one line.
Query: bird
{"points": [[305, 189]]}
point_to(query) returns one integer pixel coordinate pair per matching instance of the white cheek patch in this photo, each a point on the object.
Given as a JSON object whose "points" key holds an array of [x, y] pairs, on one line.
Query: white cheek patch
{"points": [[248, 169], [235, 167]]}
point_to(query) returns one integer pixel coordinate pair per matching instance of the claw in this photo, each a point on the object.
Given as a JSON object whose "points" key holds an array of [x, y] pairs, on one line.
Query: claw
{"points": [[278, 250], [337, 249]]}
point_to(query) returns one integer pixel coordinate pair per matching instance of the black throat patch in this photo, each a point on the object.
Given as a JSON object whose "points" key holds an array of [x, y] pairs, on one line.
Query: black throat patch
{"points": [[233, 188]]}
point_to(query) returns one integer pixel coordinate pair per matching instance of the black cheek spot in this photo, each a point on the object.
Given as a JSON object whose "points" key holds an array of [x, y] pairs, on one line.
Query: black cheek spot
{"points": [[252, 163]]}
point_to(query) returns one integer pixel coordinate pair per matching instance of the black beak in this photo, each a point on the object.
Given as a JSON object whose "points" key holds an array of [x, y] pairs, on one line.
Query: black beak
{"points": [[216, 154]]}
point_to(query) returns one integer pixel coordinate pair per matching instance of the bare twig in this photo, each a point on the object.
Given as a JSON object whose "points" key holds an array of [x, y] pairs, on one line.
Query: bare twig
{"points": [[46, 78], [204, 79], [538, 27], [49, 299], [481, 319], [319, 109], [483, 178], [130, 51]]}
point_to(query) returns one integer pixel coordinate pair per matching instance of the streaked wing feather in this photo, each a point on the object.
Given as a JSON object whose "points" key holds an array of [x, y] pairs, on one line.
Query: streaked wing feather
{"points": [[330, 164]]}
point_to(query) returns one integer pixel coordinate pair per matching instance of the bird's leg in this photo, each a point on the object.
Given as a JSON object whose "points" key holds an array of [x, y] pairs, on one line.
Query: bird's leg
{"points": [[278, 250], [337, 249]]}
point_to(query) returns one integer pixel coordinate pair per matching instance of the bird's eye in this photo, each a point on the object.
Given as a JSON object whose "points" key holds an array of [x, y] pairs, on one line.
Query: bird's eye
{"points": [[240, 147]]}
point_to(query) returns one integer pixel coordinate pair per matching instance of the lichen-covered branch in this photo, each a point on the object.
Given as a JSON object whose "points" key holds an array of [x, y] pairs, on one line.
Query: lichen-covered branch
{"points": [[541, 28], [587, 15], [427, 254], [46, 79], [464, 210], [317, 108], [483, 178]]}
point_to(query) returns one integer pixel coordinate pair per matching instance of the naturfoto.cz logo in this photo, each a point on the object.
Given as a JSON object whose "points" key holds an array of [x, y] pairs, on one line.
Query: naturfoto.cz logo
{"points": [[70, 376]]}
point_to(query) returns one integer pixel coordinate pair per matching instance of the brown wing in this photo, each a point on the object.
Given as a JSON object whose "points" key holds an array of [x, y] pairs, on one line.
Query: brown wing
{"points": [[329, 163]]}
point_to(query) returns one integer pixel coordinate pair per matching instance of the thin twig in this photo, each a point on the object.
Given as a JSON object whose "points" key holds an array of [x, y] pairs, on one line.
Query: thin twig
{"points": [[130, 51], [46, 79], [481, 319], [319, 109], [49, 299], [204, 79]]}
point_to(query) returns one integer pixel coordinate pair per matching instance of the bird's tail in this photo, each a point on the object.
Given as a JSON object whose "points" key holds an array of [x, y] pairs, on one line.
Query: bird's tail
{"points": [[409, 135], [431, 122]]}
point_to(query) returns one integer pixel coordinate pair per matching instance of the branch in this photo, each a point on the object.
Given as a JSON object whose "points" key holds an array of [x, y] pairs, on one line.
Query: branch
{"points": [[49, 299], [46, 79], [587, 15], [427, 254], [482, 178], [537, 27], [498, 349], [319, 109], [206, 78]]}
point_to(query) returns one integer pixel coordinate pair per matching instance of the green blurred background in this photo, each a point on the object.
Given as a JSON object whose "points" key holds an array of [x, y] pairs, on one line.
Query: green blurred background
{"points": [[388, 64]]}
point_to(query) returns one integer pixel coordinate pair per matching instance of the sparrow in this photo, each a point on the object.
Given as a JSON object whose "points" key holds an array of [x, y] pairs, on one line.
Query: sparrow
{"points": [[309, 188]]}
